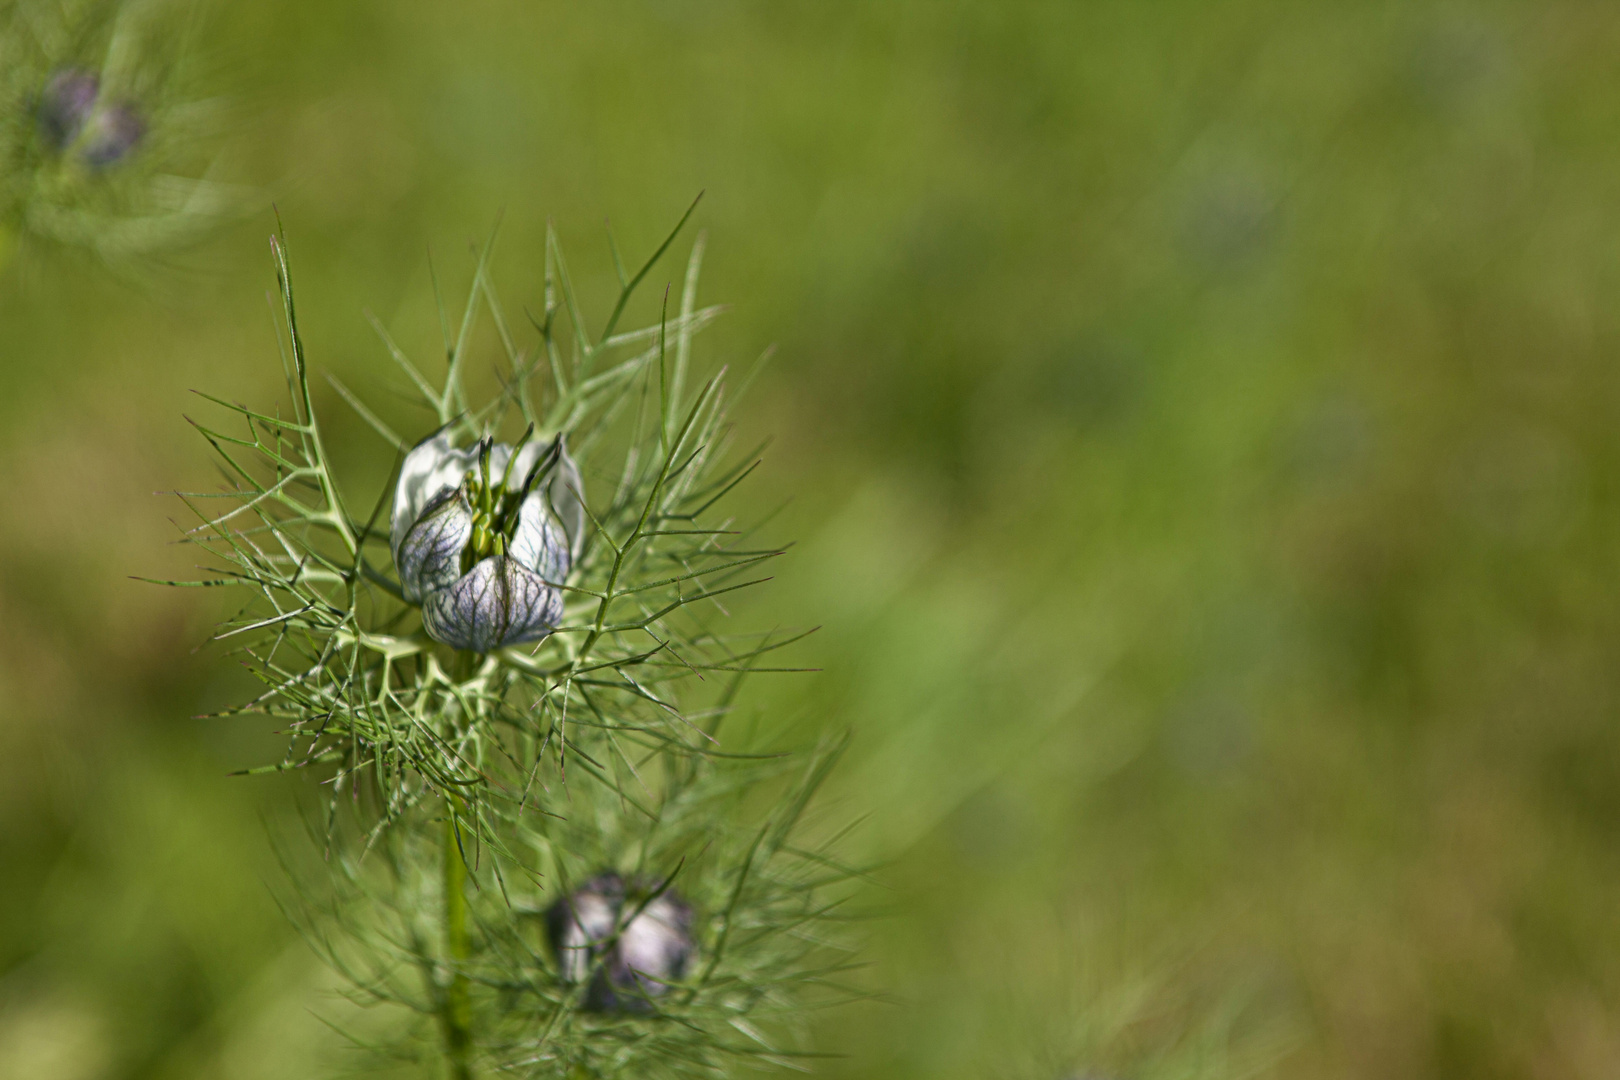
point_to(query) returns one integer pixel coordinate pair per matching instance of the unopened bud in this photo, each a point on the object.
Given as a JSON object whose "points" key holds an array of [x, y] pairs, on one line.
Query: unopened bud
{"points": [[629, 948]]}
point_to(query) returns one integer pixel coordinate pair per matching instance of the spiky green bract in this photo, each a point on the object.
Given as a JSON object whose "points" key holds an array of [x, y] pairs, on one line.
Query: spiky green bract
{"points": [[604, 747], [768, 920], [151, 188]]}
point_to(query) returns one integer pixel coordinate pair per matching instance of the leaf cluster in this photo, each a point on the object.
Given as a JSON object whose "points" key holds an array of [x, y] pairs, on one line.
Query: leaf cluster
{"points": [[605, 746]]}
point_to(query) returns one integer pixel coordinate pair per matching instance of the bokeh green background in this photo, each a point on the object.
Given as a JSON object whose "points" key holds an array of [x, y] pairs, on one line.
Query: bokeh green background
{"points": [[1201, 427]]}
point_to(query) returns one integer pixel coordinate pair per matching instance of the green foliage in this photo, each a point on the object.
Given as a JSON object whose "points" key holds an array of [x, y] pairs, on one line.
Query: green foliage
{"points": [[605, 746]]}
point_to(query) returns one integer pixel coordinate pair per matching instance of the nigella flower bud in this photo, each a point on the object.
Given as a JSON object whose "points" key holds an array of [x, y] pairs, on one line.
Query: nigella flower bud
{"points": [[115, 131], [65, 104], [629, 948], [484, 537]]}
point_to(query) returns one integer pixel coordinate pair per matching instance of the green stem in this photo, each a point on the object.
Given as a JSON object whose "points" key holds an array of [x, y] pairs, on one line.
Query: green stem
{"points": [[456, 1015]]}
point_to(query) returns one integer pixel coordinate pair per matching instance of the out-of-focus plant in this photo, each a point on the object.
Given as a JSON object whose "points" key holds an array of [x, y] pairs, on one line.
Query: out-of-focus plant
{"points": [[547, 835], [106, 144], [1084, 1018]]}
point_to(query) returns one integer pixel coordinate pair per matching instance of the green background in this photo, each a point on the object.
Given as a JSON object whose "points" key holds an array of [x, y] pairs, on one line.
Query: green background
{"points": [[1200, 422]]}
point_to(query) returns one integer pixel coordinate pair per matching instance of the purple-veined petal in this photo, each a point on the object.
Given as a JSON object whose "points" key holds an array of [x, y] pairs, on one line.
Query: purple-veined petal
{"points": [[431, 468], [561, 492], [428, 556], [498, 602], [539, 543]]}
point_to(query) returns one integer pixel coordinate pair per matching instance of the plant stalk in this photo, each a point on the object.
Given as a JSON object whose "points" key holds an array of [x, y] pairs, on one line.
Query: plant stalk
{"points": [[456, 1015], [455, 1004]]}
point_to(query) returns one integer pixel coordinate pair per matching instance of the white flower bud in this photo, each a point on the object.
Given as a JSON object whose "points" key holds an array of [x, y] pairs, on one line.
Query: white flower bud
{"points": [[483, 542]]}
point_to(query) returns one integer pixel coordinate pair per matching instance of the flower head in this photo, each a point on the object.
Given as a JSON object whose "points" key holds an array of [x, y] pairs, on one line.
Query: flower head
{"points": [[632, 961], [483, 538]]}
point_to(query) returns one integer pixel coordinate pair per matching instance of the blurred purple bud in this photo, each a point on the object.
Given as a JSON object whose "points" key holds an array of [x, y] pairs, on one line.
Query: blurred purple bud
{"points": [[626, 972], [115, 132], [65, 105]]}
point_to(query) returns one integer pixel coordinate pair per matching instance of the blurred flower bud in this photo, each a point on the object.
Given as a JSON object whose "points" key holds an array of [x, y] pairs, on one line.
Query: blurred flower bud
{"points": [[65, 104], [627, 963], [114, 132], [484, 537]]}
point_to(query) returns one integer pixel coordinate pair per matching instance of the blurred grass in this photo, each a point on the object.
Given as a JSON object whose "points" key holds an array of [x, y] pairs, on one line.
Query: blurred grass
{"points": [[1201, 426]]}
